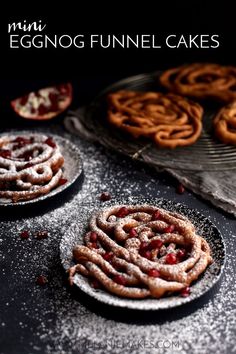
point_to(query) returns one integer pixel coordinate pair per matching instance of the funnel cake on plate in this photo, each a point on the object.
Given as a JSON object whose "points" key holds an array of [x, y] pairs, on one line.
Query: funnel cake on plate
{"points": [[202, 80], [30, 166], [141, 251], [169, 120]]}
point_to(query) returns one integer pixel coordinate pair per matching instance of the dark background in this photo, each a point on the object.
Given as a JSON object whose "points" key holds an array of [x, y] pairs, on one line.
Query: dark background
{"points": [[26, 69]]}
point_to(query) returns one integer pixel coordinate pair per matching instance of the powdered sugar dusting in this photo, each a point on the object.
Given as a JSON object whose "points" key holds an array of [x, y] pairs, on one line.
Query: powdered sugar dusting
{"points": [[58, 320]]}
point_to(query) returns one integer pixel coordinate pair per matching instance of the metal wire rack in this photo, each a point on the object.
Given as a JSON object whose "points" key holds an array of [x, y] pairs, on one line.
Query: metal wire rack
{"points": [[207, 154]]}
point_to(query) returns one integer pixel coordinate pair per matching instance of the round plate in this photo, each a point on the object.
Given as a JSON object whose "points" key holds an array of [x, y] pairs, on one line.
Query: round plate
{"points": [[72, 168], [74, 235], [207, 154]]}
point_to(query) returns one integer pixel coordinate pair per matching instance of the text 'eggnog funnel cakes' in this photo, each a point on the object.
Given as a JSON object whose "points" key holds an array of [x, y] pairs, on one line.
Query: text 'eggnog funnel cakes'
{"points": [[140, 251], [169, 120], [202, 80]]}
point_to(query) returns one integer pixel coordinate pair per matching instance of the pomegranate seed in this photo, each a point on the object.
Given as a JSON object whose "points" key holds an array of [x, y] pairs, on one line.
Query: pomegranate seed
{"points": [[143, 245], [180, 189], [27, 165], [5, 153], [49, 141], [42, 109], [105, 196], [63, 89], [181, 253], [133, 233], [24, 235], [122, 212], [93, 236], [21, 140], [62, 181], [169, 229], [171, 258], [53, 97], [155, 244], [94, 245], [156, 215], [27, 156], [40, 235], [95, 284], [108, 256], [41, 280], [119, 279], [185, 292], [23, 100], [154, 273], [146, 254]]}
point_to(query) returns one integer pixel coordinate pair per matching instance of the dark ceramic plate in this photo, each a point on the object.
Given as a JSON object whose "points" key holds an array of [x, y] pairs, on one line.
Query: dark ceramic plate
{"points": [[205, 228], [72, 169]]}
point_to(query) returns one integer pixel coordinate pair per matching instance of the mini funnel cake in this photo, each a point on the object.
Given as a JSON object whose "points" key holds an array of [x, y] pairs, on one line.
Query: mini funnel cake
{"points": [[141, 251], [202, 80], [30, 166], [225, 124], [169, 120]]}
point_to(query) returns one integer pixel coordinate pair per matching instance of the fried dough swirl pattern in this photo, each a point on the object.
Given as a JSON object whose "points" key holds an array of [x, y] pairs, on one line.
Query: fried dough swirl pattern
{"points": [[225, 124], [202, 80], [169, 120], [141, 251], [30, 166]]}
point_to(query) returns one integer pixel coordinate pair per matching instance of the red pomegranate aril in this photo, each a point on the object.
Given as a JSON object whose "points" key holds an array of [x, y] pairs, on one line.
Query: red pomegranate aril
{"points": [[49, 141], [93, 236], [62, 181], [143, 245], [180, 189], [94, 245], [119, 279], [156, 215], [54, 100], [24, 235], [5, 153], [181, 253], [27, 165], [27, 156], [171, 258], [108, 256], [95, 284], [122, 212], [133, 233], [40, 235], [42, 109], [63, 89], [169, 229], [21, 140], [105, 196], [23, 100], [185, 292], [155, 244], [146, 254], [41, 280], [154, 273]]}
